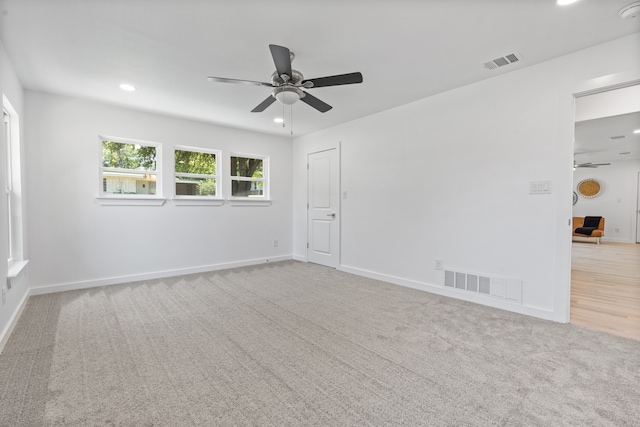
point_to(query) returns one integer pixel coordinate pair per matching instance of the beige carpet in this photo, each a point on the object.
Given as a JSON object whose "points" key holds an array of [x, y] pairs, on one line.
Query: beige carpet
{"points": [[292, 344]]}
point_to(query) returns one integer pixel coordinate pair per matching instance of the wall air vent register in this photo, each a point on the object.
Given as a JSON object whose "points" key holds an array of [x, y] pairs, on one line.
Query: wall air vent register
{"points": [[496, 287]]}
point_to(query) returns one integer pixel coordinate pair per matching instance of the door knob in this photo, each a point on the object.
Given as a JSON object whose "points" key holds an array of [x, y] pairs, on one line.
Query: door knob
{"points": [[332, 215]]}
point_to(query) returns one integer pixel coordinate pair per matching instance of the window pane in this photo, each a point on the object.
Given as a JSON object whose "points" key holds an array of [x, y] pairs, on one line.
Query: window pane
{"points": [[128, 183], [247, 167], [7, 151], [187, 186], [247, 188], [9, 229], [128, 156], [195, 162]]}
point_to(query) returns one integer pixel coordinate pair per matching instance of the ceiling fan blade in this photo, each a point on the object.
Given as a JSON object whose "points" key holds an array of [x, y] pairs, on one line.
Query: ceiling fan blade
{"points": [[264, 104], [591, 165], [282, 59], [243, 82], [340, 79], [311, 100]]}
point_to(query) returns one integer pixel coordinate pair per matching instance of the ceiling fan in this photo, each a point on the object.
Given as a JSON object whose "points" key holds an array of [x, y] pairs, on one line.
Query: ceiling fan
{"points": [[589, 165], [288, 83]]}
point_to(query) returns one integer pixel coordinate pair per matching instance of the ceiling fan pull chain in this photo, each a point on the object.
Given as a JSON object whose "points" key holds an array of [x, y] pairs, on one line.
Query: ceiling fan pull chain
{"points": [[283, 123]]}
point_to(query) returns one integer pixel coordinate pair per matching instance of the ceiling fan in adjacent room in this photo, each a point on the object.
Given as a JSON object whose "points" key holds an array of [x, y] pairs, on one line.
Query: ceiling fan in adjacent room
{"points": [[288, 83], [588, 165]]}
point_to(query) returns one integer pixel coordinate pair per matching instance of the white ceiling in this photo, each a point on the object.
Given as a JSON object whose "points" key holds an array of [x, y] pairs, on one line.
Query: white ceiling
{"points": [[593, 143], [405, 49]]}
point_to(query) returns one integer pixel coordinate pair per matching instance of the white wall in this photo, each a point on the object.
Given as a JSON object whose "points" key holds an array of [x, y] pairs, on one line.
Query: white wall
{"points": [[448, 177], [609, 103], [15, 297], [76, 242], [617, 200]]}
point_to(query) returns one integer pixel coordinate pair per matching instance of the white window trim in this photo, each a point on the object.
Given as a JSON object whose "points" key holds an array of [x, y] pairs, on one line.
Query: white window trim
{"points": [[15, 268], [265, 200], [130, 199], [197, 201], [6, 118], [14, 191], [239, 201], [216, 200]]}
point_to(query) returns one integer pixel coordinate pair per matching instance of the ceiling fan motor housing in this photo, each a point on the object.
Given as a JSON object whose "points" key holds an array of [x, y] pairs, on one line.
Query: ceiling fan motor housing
{"points": [[296, 79], [286, 91]]}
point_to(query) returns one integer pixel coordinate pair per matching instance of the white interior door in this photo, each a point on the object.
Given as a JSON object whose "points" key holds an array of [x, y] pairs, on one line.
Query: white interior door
{"points": [[323, 197]]}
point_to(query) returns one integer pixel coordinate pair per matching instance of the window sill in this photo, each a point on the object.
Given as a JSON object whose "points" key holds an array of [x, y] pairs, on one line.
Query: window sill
{"points": [[15, 268], [130, 201], [197, 201], [248, 202]]}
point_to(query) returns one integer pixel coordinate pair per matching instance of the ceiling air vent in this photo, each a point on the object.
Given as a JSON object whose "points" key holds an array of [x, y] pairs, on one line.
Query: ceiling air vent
{"points": [[613, 138], [502, 61]]}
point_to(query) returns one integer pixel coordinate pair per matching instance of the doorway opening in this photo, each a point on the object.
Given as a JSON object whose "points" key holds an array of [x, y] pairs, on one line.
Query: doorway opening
{"points": [[605, 293]]}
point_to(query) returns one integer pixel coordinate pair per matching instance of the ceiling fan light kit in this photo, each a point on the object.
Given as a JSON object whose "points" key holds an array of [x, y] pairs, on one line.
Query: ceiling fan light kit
{"points": [[288, 95], [288, 83]]}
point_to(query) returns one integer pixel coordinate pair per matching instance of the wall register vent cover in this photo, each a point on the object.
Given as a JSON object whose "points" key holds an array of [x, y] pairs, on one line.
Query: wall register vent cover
{"points": [[502, 61]]}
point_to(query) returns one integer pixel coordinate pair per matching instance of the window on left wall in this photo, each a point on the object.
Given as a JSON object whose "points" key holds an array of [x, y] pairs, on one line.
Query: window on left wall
{"points": [[13, 192], [9, 186], [130, 168]]}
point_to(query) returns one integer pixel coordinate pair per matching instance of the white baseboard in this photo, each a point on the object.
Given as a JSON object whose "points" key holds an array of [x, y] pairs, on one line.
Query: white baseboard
{"points": [[47, 289], [453, 293], [588, 239], [388, 278], [302, 258], [6, 333], [616, 240]]}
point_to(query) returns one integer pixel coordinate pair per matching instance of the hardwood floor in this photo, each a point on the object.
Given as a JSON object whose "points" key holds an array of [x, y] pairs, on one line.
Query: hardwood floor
{"points": [[605, 287]]}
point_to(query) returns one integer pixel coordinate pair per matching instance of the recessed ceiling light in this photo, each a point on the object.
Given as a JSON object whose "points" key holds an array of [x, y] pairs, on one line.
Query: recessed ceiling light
{"points": [[636, 131], [127, 87], [278, 120], [565, 2]]}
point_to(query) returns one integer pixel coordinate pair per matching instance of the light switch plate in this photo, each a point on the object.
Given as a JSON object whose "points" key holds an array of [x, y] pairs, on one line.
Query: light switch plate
{"points": [[540, 187]]}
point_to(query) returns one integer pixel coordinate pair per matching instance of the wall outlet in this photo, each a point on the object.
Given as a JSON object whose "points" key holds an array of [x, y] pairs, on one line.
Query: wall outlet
{"points": [[439, 264], [617, 230], [275, 243], [4, 295]]}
